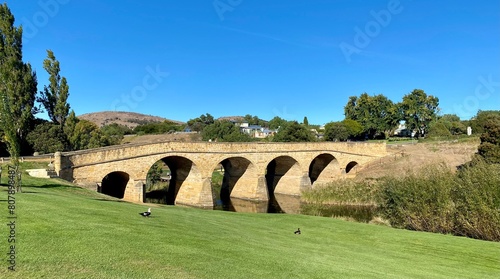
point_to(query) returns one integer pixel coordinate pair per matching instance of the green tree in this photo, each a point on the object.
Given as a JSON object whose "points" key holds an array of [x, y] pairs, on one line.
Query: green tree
{"points": [[452, 122], [55, 96], [343, 130], [154, 173], [114, 132], [377, 114], [354, 128], [277, 122], [438, 129], [478, 122], [249, 119], [419, 110], [489, 148], [70, 126], [254, 120], [335, 131], [157, 128], [48, 138], [224, 131], [305, 121], [87, 135], [18, 85], [351, 108], [197, 124], [293, 132]]}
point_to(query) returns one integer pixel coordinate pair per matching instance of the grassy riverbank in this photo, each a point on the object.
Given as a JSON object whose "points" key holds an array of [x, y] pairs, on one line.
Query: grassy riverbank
{"points": [[63, 231]]}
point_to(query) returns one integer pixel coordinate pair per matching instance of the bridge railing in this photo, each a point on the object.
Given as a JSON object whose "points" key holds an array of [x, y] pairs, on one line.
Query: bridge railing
{"points": [[38, 158]]}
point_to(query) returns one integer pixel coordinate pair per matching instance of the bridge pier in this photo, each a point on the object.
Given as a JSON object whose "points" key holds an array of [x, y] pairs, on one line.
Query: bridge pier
{"points": [[251, 188], [197, 193], [134, 191], [293, 184]]}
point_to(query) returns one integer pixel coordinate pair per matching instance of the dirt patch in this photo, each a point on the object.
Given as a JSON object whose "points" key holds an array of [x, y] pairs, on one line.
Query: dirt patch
{"points": [[402, 159], [183, 137]]}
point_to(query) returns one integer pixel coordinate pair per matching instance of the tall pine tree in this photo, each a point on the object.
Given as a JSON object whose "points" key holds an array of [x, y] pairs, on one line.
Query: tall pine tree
{"points": [[54, 97], [18, 86]]}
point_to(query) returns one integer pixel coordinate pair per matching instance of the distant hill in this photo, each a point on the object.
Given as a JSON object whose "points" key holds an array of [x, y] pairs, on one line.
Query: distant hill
{"points": [[231, 118], [129, 119], [236, 118]]}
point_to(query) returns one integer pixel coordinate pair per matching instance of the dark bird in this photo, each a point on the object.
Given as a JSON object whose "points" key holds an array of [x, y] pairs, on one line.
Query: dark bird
{"points": [[297, 231], [147, 213]]}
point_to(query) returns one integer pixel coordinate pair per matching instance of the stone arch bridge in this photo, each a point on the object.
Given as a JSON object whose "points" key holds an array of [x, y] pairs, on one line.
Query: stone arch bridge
{"points": [[252, 171]]}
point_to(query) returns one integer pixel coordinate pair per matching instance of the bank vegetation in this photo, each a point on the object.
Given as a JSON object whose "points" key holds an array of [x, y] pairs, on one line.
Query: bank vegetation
{"points": [[433, 199]]}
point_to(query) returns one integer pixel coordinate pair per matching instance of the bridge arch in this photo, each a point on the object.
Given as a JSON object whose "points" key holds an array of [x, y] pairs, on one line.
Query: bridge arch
{"points": [[114, 184], [157, 183], [284, 176], [351, 166], [183, 172], [324, 168], [236, 171]]}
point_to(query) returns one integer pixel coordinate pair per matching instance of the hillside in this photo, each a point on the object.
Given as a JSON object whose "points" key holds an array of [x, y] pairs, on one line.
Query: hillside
{"points": [[184, 137], [129, 119], [408, 157]]}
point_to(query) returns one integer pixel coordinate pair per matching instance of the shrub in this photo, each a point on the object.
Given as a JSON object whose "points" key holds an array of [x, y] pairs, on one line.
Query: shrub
{"points": [[420, 201], [342, 191], [436, 200], [476, 194], [438, 129]]}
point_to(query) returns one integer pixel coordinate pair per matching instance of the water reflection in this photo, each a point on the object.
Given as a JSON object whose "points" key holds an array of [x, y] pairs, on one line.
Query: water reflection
{"points": [[288, 204], [240, 205], [278, 203]]}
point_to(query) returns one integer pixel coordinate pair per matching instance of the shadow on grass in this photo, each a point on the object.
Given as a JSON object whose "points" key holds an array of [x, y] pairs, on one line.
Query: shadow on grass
{"points": [[45, 186], [48, 186], [28, 189], [108, 200]]}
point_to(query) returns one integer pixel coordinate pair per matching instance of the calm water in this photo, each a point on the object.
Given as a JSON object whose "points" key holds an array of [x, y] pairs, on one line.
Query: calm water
{"points": [[279, 204], [293, 205]]}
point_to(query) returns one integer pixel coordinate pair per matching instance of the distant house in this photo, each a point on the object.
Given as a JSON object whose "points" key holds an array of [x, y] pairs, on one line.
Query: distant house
{"points": [[268, 132], [256, 131], [402, 131]]}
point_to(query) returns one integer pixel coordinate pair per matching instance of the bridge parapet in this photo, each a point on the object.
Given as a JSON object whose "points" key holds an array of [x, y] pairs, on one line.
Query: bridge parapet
{"points": [[122, 152]]}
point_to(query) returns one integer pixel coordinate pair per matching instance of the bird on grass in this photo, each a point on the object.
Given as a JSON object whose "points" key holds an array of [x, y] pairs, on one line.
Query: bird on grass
{"points": [[297, 231], [147, 213]]}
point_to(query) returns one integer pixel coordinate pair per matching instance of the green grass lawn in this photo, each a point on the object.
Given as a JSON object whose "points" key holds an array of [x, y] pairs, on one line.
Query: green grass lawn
{"points": [[67, 232]]}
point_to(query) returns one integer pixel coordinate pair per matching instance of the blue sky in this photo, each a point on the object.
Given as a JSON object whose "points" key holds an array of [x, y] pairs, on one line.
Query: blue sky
{"points": [[181, 59]]}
